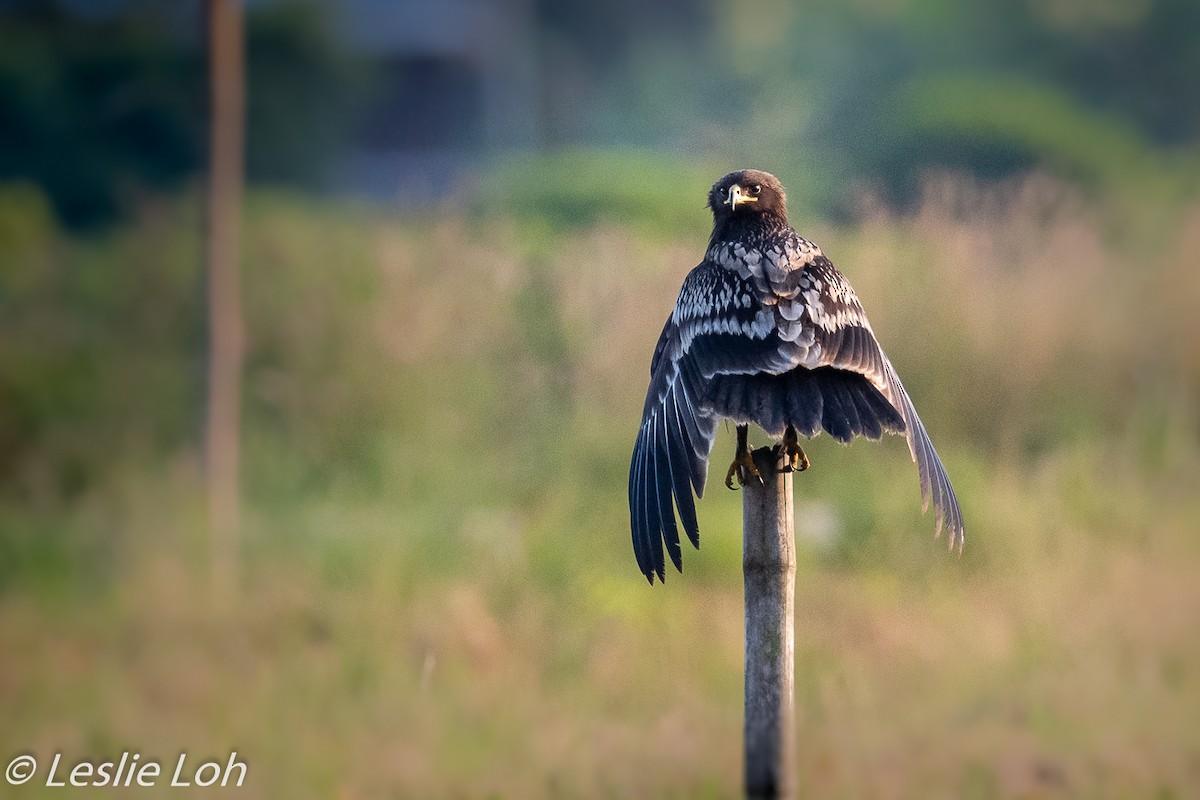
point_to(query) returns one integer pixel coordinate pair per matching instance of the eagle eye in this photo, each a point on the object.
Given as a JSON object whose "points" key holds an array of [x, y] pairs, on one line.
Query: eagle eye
{"points": [[755, 189]]}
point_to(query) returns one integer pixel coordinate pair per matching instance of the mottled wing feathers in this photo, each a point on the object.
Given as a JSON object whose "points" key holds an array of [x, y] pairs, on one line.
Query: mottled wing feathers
{"points": [[716, 326], [771, 335], [821, 323], [670, 460], [847, 343]]}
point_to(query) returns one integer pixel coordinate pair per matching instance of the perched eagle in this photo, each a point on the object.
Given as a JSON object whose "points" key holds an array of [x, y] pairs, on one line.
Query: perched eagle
{"points": [[767, 331]]}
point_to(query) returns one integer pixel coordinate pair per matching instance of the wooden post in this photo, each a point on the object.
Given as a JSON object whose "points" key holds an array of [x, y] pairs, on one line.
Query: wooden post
{"points": [[227, 110], [769, 571]]}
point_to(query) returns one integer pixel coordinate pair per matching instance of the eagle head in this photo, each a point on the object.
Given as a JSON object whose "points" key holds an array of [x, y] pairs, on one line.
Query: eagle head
{"points": [[747, 192]]}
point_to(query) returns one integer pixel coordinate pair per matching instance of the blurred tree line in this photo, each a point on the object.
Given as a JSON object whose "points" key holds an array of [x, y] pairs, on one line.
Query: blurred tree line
{"points": [[96, 108], [871, 94], [99, 108]]}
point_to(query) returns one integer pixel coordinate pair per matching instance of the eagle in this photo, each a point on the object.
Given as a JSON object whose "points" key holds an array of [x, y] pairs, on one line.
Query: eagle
{"points": [[766, 331]]}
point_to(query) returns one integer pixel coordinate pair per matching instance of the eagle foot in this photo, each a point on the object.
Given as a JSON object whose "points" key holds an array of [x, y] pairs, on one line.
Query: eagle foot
{"points": [[790, 451], [743, 469]]}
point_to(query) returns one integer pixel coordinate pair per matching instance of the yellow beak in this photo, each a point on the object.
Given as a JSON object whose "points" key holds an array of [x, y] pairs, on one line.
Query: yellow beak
{"points": [[735, 197]]}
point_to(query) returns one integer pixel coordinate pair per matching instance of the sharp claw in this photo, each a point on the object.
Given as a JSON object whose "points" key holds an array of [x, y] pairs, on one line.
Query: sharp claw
{"points": [[729, 477], [743, 469], [794, 458]]}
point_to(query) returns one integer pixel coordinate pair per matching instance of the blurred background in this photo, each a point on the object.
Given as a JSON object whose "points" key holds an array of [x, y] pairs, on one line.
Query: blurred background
{"points": [[464, 223]]}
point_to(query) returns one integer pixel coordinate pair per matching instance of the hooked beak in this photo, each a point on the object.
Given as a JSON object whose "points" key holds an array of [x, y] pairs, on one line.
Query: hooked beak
{"points": [[735, 197]]}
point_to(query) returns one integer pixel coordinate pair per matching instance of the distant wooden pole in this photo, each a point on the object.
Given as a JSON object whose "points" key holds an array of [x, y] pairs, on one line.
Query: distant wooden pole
{"points": [[227, 109], [769, 571]]}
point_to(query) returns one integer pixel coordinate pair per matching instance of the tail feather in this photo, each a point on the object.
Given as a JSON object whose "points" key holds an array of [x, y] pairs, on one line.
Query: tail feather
{"points": [[843, 403], [834, 418], [805, 404]]}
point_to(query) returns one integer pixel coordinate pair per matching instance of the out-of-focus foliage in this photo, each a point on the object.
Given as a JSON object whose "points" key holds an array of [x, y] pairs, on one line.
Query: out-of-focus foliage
{"points": [[873, 95], [1090, 91], [101, 111], [652, 192], [853, 96], [101, 344], [305, 94], [93, 111]]}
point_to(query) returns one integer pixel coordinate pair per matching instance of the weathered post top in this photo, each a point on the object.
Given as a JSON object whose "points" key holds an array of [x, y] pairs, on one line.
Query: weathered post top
{"points": [[769, 571]]}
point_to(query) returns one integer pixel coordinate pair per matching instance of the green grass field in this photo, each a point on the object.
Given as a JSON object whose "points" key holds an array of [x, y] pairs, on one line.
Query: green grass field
{"points": [[437, 595]]}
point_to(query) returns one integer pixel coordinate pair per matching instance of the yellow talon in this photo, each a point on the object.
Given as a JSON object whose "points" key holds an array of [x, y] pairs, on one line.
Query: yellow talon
{"points": [[794, 458], [743, 469]]}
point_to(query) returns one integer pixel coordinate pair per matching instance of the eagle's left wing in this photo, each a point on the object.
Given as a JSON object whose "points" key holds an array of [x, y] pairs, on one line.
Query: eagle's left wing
{"points": [[822, 324]]}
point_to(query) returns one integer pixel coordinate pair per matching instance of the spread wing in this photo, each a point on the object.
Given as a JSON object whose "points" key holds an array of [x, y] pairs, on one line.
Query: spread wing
{"points": [[717, 326], [821, 323], [772, 338]]}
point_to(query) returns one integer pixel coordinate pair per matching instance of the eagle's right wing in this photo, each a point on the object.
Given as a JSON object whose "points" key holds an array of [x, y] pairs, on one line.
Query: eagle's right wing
{"points": [[717, 327]]}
